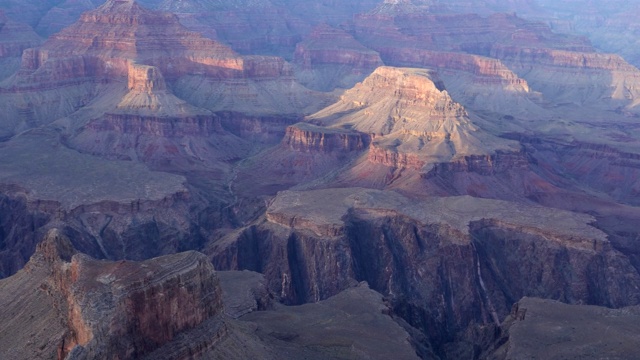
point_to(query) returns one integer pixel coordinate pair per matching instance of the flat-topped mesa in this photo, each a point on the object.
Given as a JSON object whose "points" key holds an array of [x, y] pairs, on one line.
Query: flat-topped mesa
{"points": [[305, 137], [412, 120]]}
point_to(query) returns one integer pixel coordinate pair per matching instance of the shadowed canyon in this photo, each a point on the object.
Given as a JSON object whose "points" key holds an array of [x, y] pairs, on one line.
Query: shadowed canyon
{"points": [[280, 179]]}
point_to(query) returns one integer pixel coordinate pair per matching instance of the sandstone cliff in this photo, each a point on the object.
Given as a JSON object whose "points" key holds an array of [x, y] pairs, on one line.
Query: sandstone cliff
{"points": [[88, 61]]}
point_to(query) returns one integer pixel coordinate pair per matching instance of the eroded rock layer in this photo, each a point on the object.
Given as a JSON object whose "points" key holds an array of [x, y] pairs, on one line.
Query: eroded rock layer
{"points": [[110, 310], [481, 256]]}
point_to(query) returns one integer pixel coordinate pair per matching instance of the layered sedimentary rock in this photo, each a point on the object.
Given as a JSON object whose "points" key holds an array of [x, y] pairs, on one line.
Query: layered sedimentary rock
{"points": [[306, 153], [14, 39], [106, 39], [445, 263], [593, 77], [109, 209], [455, 32], [88, 62], [409, 113], [331, 58], [478, 82], [67, 305], [305, 137], [111, 310]]}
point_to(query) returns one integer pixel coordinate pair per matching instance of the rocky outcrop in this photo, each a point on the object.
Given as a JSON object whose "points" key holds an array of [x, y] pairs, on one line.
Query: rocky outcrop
{"points": [[305, 137], [358, 314], [469, 250], [112, 35], [115, 42], [249, 27], [328, 45], [149, 303], [244, 292], [113, 310]]}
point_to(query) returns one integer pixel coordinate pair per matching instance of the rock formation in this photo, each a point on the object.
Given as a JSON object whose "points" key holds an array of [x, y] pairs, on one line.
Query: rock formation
{"points": [[331, 58], [14, 39], [108, 310], [66, 305], [480, 256], [594, 78], [110, 209], [100, 49], [409, 115]]}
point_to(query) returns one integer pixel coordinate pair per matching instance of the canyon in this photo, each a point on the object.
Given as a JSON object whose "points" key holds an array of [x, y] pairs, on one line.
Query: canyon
{"points": [[278, 179]]}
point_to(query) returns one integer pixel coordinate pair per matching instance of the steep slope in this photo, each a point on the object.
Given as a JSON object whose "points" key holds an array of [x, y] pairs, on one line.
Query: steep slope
{"points": [[247, 26], [398, 129], [110, 209]]}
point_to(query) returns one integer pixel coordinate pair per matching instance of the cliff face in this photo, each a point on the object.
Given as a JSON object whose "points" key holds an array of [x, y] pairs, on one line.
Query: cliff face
{"points": [[309, 138], [487, 71], [469, 250], [113, 310]]}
